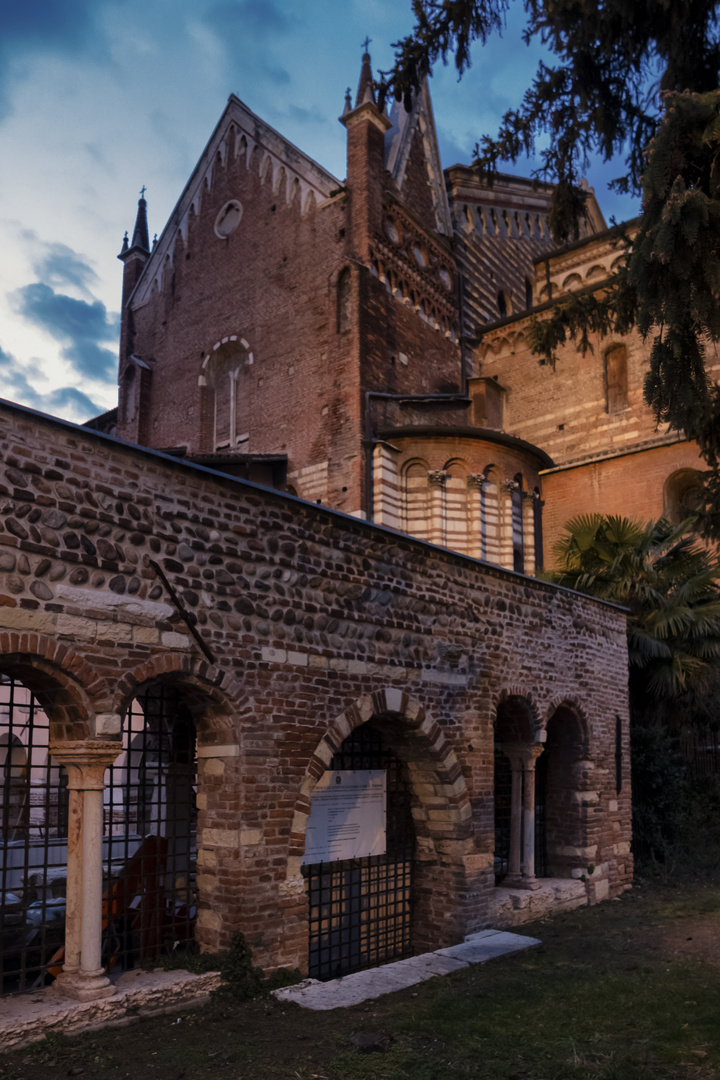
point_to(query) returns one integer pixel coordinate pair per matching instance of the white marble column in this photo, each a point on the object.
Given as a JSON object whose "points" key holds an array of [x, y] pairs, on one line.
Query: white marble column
{"points": [[83, 977], [521, 864]]}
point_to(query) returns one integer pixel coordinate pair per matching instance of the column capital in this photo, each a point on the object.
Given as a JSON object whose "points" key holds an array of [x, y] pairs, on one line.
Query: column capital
{"points": [[477, 481], [437, 477], [86, 761], [522, 755]]}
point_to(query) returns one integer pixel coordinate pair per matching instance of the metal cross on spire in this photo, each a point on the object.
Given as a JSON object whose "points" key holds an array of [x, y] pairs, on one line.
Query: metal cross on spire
{"points": [[366, 43], [143, 189]]}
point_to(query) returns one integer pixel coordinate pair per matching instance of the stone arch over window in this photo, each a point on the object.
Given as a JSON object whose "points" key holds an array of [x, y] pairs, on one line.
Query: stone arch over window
{"points": [[444, 837], [344, 301], [616, 379], [516, 754], [179, 766], [416, 499], [682, 495], [572, 281], [34, 817], [517, 500], [457, 525], [571, 792], [226, 378]]}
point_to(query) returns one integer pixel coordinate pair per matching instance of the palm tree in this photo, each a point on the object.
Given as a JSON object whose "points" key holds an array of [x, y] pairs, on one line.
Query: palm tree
{"points": [[669, 583]]}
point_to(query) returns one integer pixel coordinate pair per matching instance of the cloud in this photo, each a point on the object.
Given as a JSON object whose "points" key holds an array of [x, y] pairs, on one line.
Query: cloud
{"points": [[57, 26], [246, 19], [247, 30], [60, 265], [66, 401], [81, 327]]}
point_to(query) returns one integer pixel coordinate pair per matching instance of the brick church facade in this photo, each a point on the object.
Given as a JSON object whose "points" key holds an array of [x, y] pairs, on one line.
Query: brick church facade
{"points": [[305, 548]]}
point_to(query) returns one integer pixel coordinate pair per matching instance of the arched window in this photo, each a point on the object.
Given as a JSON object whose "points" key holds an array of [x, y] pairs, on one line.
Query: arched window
{"points": [[502, 303], [344, 320], [682, 496], [516, 502], [228, 385], [528, 293], [416, 500], [616, 379]]}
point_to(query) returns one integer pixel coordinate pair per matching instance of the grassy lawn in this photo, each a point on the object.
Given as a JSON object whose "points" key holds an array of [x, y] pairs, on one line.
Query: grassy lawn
{"points": [[628, 990]]}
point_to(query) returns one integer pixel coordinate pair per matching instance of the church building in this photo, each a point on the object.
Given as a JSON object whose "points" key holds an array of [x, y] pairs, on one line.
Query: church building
{"points": [[300, 561]]}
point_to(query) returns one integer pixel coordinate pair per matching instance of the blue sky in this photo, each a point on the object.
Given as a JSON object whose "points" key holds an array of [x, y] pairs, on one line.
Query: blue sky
{"points": [[98, 97]]}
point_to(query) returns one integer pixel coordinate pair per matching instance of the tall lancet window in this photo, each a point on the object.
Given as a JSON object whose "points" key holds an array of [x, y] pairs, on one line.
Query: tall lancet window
{"points": [[228, 384]]}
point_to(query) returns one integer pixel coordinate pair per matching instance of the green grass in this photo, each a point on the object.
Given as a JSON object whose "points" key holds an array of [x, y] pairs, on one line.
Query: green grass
{"points": [[628, 990]]}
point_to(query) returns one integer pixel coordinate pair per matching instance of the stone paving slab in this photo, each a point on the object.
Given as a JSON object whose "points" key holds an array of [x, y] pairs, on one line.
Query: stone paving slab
{"points": [[365, 985], [26, 1018]]}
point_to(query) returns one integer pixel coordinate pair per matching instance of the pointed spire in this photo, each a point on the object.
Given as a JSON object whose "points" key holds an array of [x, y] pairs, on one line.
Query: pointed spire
{"points": [[125, 244], [141, 237], [348, 102], [365, 86]]}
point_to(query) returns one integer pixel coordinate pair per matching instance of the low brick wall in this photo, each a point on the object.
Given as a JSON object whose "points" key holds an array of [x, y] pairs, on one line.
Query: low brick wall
{"points": [[305, 623]]}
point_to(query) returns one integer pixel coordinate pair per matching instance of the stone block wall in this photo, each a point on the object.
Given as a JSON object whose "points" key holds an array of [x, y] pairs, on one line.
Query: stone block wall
{"points": [[286, 625]]}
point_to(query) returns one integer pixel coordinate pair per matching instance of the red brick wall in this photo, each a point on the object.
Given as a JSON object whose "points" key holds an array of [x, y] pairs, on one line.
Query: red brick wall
{"points": [[317, 622]]}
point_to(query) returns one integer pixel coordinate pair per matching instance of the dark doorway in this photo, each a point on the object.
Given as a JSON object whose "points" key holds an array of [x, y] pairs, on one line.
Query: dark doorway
{"points": [[361, 909]]}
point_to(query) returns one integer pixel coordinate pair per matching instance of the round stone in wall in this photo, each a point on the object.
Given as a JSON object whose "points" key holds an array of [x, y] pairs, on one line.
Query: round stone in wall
{"points": [[228, 219]]}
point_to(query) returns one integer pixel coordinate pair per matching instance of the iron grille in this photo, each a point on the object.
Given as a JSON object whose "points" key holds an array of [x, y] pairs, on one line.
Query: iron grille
{"points": [[503, 813], [149, 900], [541, 769], [361, 909], [33, 844]]}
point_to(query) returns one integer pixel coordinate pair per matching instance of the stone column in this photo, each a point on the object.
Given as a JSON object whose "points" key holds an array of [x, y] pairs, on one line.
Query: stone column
{"points": [[521, 867], [83, 977], [436, 482], [506, 555]]}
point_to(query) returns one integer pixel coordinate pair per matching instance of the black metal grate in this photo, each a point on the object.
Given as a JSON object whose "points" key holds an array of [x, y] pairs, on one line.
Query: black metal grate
{"points": [[361, 909], [503, 813], [541, 769], [33, 844], [149, 901]]}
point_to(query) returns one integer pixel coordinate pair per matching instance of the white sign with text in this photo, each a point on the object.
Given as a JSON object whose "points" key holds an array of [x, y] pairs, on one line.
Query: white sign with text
{"points": [[347, 816]]}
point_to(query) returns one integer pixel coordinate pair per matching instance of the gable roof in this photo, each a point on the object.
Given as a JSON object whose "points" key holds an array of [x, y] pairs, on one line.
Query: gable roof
{"points": [[398, 144]]}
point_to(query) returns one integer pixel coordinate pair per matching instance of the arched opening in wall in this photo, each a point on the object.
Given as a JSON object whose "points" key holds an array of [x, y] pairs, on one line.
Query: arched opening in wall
{"points": [[503, 305], [228, 397], [359, 855], [344, 299], [528, 293], [33, 843], [616, 379], [537, 506], [456, 506], [517, 496], [683, 495], [514, 783], [416, 495], [566, 773], [149, 848]]}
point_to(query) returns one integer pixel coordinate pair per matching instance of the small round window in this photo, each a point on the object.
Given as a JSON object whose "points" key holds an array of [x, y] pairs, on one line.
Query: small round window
{"points": [[228, 219]]}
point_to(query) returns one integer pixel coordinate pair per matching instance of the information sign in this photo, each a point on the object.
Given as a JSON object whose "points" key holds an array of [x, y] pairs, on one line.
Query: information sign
{"points": [[347, 816]]}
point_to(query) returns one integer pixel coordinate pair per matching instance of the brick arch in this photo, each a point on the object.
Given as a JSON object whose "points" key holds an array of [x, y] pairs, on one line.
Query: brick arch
{"points": [[69, 690], [514, 697], [414, 728], [571, 787], [214, 696], [572, 705]]}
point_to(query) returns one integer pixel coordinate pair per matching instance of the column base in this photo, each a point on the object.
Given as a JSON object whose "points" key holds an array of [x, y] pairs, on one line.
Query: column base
{"points": [[83, 986], [517, 881]]}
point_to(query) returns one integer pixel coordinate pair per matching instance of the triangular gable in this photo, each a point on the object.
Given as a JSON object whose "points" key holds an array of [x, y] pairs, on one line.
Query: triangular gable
{"points": [[399, 143], [275, 152]]}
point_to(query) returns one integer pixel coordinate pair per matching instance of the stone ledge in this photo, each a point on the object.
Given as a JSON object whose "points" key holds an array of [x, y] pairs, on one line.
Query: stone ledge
{"points": [[513, 907], [27, 1018]]}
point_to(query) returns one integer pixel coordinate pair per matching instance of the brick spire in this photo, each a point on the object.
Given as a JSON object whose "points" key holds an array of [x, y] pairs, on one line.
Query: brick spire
{"points": [[366, 91]]}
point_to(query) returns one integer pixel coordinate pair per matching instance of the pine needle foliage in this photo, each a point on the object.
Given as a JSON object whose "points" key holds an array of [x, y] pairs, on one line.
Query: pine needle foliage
{"points": [[669, 583], [639, 79]]}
